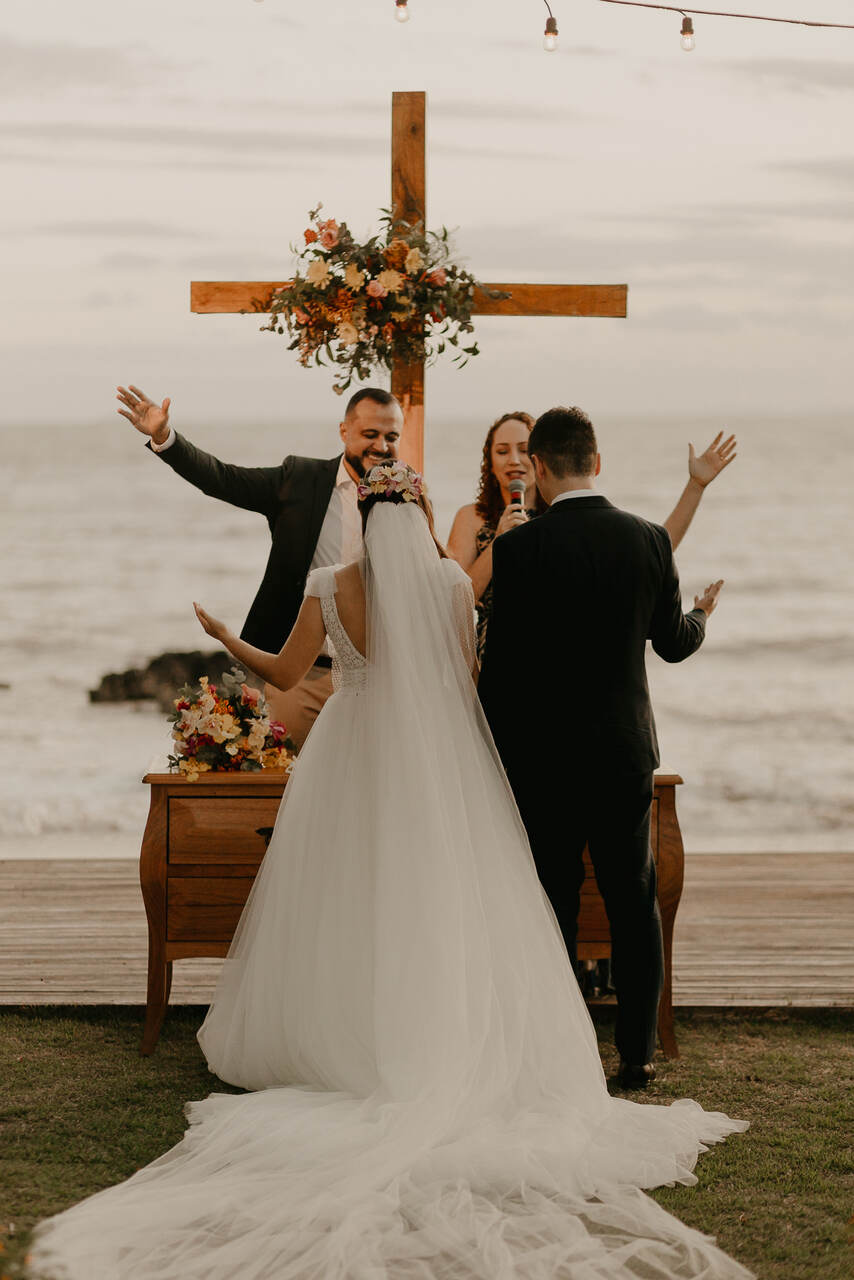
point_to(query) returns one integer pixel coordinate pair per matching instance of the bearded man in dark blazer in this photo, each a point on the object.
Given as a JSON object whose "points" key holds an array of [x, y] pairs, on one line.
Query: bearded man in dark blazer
{"points": [[576, 594], [310, 505]]}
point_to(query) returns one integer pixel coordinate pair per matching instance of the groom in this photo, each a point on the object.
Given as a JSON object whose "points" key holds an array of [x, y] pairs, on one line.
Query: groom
{"points": [[575, 596], [310, 505]]}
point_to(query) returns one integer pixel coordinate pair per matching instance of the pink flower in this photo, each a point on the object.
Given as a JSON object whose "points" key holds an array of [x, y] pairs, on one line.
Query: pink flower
{"points": [[250, 695], [376, 290], [301, 317], [278, 730], [329, 238], [439, 277]]}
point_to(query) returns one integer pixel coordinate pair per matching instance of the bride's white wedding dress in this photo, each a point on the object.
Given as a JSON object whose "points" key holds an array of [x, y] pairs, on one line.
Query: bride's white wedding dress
{"points": [[427, 1097]]}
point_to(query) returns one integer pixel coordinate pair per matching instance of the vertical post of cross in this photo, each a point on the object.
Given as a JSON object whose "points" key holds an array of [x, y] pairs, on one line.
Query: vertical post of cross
{"points": [[409, 204]]}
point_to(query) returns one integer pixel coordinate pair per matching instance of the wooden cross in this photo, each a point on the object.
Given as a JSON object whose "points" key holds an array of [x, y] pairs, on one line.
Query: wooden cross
{"points": [[409, 203]]}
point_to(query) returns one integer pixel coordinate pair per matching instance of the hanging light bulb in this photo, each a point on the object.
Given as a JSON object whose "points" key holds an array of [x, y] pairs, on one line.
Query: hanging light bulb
{"points": [[550, 36], [401, 10], [687, 34]]}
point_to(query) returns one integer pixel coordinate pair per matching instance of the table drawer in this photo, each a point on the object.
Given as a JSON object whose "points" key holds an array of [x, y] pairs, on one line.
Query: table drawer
{"points": [[219, 829], [204, 909]]}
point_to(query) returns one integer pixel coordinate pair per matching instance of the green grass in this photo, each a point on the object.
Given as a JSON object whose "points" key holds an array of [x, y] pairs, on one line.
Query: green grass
{"points": [[80, 1110]]}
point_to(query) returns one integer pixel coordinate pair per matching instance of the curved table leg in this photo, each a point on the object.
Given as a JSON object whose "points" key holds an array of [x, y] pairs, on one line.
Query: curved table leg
{"points": [[671, 874], [152, 876]]}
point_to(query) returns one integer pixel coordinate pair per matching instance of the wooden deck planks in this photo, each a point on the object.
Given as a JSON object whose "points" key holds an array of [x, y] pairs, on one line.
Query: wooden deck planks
{"points": [[752, 929]]}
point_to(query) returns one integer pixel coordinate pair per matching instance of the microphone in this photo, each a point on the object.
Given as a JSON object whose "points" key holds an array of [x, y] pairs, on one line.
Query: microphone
{"points": [[517, 492]]}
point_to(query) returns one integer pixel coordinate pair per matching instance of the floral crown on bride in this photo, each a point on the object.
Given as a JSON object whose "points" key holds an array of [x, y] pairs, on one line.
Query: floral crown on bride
{"points": [[394, 480]]}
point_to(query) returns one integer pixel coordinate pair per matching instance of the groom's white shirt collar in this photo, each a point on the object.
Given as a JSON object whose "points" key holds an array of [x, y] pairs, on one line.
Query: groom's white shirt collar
{"points": [[343, 476], [575, 493]]}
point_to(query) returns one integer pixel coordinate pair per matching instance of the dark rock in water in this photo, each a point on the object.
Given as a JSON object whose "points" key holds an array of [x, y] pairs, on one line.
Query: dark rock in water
{"points": [[161, 679]]}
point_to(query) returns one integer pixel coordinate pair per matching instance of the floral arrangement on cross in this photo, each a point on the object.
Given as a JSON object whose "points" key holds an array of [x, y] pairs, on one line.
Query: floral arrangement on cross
{"points": [[398, 297], [226, 729]]}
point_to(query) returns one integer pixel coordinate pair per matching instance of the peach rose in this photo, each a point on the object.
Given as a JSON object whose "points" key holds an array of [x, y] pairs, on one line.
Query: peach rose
{"points": [[376, 290], [329, 238]]}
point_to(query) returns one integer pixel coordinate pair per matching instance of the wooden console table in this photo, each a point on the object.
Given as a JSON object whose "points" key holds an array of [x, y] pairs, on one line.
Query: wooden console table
{"points": [[201, 851]]}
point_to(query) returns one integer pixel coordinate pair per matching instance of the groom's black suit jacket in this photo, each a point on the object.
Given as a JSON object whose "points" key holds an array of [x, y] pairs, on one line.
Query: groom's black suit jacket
{"points": [[576, 594], [293, 498]]}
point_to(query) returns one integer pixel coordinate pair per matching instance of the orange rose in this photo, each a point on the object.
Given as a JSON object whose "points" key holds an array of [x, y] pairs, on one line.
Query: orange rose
{"points": [[396, 254], [310, 236]]}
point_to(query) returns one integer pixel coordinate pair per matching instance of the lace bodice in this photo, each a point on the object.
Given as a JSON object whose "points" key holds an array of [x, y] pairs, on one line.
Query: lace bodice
{"points": [[349, 667]]}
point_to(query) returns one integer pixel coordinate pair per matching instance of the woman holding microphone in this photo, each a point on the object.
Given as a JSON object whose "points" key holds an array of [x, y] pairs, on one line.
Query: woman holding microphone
{"points": [[507, 496]]}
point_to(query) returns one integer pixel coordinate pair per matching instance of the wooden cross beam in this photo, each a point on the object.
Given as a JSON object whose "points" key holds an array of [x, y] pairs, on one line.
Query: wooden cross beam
{"points": [[409, 203]]}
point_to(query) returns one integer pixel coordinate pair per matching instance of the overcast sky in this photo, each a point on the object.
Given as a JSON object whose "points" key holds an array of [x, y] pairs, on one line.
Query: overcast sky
{"points": [[148, 142]]}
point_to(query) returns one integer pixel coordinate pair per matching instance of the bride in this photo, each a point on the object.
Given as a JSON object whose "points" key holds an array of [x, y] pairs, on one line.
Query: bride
{"points": [[426, 1096]]}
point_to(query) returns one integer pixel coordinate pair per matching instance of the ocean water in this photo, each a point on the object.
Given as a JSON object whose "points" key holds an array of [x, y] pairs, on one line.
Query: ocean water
{"points": [[104, 549]]}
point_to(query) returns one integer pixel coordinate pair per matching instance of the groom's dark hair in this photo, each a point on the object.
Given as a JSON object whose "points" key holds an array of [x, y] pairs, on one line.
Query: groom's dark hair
{"points": [[565, 441], [369, 393]]}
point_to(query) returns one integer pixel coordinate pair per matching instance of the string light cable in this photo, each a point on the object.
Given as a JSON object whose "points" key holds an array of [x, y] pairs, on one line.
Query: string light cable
{"points": [[720, 13]]}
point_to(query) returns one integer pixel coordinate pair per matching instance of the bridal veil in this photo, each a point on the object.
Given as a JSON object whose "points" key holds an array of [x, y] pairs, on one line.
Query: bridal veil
{"points": [[431, 1106]]}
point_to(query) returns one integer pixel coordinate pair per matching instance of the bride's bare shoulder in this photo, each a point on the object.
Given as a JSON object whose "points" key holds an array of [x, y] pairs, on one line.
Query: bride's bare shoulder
{"points": [[349, 581]]}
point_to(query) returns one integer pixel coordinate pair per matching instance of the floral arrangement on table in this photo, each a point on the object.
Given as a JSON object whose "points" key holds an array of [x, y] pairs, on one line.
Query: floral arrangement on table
{"points": [[226, 727], [358, 306]]}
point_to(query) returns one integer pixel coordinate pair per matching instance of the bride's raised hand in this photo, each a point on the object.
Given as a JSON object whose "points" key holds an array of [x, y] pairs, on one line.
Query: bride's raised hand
{"points": [[710, 463], [213, 626], [149, 418]]}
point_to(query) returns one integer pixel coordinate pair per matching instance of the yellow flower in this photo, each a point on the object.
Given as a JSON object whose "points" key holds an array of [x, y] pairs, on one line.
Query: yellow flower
{"points": [[353, 277], [192, 768], [223, 726], [318, 273], [414, 260], [347, 333], [390, 280]]}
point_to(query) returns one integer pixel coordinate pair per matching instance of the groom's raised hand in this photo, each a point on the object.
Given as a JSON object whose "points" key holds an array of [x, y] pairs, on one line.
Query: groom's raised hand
{"points": [[709, 598], [703, 467], [149, 418]]}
